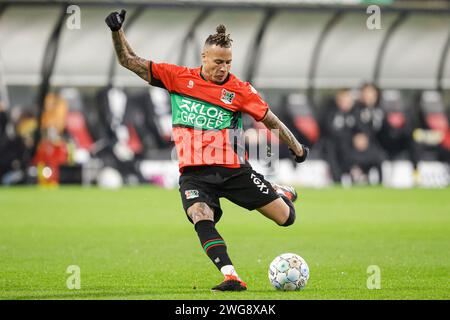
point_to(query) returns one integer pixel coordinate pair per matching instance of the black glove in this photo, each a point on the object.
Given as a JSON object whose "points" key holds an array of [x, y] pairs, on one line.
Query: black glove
{"points": [[115, 20], [299, 159]]}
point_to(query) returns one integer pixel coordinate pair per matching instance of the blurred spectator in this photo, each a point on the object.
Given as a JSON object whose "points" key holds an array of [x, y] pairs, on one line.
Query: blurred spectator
{"points": [[364, 160], [55, 113], [78, 136], [348, 146], [4, 161], [369, 154], [26, 127], [432, 136], [370, 115], [3, 121], [15, 147], [338, 125], [52, 151], [395, 135]]}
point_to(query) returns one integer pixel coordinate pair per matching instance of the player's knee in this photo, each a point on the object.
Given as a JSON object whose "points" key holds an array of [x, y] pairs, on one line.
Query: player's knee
{"points": [[290, 220], [291, 216], [200, 211]]}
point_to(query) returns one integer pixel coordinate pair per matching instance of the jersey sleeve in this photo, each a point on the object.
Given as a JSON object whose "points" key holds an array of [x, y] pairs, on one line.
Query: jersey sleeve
{"points": [[253, 104], [162, 74]]}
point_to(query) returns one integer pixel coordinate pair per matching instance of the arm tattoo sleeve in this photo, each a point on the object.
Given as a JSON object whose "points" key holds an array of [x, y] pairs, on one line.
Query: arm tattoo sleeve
{"points": [[127, 57], [272, 122]]}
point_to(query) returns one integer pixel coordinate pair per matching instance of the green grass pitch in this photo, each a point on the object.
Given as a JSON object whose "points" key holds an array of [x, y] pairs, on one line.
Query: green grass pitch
{"points": [[135, 243]]}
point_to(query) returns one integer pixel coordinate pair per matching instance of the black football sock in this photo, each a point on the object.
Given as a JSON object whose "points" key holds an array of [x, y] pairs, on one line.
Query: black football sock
{"points": [[290, 220], [212, 243]]}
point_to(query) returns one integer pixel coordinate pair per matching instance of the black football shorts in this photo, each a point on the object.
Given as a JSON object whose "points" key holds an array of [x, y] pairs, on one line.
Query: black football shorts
{"points": [[242, 186]]}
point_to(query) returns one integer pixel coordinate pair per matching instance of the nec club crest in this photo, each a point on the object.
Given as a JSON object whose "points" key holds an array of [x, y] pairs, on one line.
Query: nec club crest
{"points": [[227, 96], [191, 194]]}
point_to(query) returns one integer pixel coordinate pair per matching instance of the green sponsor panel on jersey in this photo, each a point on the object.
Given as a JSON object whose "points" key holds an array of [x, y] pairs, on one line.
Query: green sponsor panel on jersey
{"points": [[194, 113]]}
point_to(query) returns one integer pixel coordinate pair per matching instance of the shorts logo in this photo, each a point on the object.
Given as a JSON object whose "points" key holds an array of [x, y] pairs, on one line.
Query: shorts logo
{"points": [[227, 96], [262, 187], [191, 194]]}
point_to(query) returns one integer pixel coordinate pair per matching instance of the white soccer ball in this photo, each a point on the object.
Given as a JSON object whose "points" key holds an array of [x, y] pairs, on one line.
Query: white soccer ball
{"points": [[288, 272]]}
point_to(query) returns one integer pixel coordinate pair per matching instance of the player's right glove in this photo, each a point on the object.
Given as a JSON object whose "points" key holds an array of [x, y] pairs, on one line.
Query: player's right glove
{"points": [[115, 20], [299, 159]]}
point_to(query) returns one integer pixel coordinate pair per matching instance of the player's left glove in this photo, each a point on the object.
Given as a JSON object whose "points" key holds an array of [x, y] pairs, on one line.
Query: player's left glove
{"points": [[299, 159], [115, 20]]}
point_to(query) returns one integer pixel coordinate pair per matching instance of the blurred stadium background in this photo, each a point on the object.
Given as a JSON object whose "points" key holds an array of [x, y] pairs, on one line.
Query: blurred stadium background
{"points": [[372, 101]]}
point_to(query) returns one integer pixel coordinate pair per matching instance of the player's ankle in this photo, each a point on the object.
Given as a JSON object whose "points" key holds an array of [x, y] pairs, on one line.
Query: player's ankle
{"points": [[229, 270]]}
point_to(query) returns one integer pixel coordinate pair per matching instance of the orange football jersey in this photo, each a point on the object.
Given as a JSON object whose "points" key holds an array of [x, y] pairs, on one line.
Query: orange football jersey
{"points": [[207, 117]]}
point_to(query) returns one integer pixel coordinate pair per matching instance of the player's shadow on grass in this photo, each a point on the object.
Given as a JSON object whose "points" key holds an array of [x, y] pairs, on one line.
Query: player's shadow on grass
{"points": [[149, 295], [80, 294]]}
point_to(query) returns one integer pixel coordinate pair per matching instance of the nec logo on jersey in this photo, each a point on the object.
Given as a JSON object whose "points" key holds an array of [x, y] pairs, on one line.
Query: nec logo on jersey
{"points": [[227, 96], [191, 194]]}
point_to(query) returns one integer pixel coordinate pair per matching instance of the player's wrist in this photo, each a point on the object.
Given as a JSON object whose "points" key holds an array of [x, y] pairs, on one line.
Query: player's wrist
{"points": [[304, 151]]}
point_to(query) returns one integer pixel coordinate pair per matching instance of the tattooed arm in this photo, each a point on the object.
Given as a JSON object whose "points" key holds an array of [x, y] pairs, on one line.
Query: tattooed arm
{"points": [[271, 121], [126, 56]]}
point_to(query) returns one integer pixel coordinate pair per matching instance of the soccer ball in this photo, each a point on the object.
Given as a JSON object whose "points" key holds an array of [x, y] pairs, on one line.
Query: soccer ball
{"points": [[288, 272]]}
